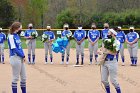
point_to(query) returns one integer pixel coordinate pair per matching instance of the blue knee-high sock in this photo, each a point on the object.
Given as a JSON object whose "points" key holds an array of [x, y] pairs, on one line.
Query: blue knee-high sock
{"points": [[46, 59], [33, 57], [118, 90], [132, 60], [77, 57], [2, 58], [91, 57], [67, 58], [96, 56], [51, 58], [107, 89], [23, 87], [14, 87], [117, 56], [62, 58], [122, 59], [82, 58], [29, 57], [135, 60]]}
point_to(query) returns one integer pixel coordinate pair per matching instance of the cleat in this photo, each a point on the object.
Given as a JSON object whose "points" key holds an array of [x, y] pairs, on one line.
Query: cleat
{"points": [[77, 63], [46, 63], [123, 64], [52, 63], [67, 63], [61, 63]]}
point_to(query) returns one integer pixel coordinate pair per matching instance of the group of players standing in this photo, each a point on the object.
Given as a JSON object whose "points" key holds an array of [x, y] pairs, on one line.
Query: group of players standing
{"points": [[79, 35], [17, 56]]}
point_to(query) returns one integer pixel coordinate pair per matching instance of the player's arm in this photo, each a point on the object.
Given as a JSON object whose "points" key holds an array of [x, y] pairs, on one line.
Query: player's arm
{"points": [[75, 37], [126, 40], [53, 38], [4, 37], [62, 34], [83, 38], [97, 38], [89, 37], [14, 48], [26, 36], [36, 33], [135, 39]]}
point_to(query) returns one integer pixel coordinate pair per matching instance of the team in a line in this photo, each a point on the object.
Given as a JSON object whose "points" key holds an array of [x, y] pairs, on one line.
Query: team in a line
{"points": [[93, 36]]}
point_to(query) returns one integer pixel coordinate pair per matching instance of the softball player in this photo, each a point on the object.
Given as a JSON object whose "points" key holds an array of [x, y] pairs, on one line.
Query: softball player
{"points": [[79, 36], [2, 39], [110, 66], [31, 43], [121, 37], [132, 44], [17, 57], [93, 37], [104, 32], [48, 44], [64, 34]]}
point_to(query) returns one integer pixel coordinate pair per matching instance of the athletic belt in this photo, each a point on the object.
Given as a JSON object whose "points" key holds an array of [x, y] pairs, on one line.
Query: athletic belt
{"points": [[109, 59]]}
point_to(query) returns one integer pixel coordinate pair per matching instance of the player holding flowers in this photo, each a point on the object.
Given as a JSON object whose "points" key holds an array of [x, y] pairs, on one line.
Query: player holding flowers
{"points": [[47, 38], [111, 47]]}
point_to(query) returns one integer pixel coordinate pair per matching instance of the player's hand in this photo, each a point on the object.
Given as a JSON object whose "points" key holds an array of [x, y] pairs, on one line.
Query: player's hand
{"points": [[24, 60], [79, 43], [50, 43], [130, 43], [30, 37], [92, 43]]}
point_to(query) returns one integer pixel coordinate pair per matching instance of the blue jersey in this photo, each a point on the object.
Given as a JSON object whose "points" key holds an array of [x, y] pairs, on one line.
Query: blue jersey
{"points": [[2, 37], [50, 33], [104, 33], [121, 36], [93, 34], [14, 44], [66, 32], [79, 34], [132, 36], [29, 31]]}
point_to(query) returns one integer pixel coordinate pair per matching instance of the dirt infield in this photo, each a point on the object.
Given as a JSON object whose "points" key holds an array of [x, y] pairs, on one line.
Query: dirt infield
{"points": [[58, 78]]}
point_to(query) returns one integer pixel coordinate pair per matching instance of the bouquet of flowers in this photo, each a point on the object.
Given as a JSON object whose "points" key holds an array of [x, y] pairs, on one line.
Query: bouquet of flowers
{"points": [[111, 45], [34, 35], [45, 38], [69, 36]]}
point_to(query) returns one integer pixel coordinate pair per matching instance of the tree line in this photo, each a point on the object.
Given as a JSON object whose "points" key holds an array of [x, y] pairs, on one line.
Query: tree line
{"points": [[57, 12]]}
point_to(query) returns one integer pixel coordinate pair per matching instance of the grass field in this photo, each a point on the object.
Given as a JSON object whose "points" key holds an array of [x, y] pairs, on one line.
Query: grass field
{"points": [[40, 45]]}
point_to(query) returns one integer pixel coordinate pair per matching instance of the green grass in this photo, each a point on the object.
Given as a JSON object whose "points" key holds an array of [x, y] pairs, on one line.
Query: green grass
{"points": [[39, 43]]}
